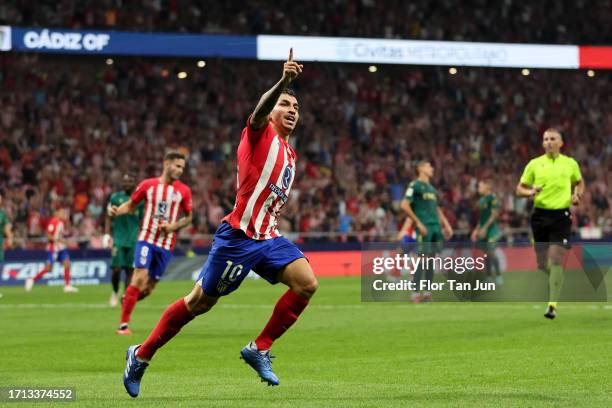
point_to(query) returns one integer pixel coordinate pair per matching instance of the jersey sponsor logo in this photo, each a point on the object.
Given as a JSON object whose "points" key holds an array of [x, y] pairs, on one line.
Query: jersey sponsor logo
{"points": [[162, 209], [278, 191], [287, 177], [57, 40], [429, 196]]}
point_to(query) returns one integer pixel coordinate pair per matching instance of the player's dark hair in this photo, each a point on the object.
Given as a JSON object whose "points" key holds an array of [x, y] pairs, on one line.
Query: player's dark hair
{"points": [[289, 92], [174, 155]]}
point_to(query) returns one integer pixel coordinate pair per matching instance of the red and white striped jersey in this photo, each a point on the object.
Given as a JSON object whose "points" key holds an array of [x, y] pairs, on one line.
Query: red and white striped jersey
{"points": [[55, 234], [162, 203], [266, 169]]}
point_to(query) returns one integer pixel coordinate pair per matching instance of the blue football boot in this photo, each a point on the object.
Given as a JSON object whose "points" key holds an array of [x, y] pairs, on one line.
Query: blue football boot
{"points": [[260, 361], [134, 371]]}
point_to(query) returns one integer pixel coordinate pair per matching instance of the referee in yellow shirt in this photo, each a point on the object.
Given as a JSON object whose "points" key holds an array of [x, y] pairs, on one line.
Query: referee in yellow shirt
{"points": [[555, 183]]}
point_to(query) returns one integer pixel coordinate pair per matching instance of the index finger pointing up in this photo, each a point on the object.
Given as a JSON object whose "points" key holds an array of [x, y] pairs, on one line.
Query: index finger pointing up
{"points": [[290, 54]]}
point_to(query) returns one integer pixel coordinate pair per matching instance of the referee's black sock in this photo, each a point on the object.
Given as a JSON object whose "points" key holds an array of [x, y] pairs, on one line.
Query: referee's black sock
{"points": [[417, 277], [488, 267], [115, 279], [495, 265], [429, 273]]}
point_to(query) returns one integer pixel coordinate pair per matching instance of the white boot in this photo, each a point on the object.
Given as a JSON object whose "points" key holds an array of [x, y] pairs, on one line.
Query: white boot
{"points": [[29, 284], [70, 289]]}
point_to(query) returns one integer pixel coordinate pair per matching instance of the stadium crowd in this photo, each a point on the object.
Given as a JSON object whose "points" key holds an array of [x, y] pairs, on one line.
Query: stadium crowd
{"points": [[546, 21], [70, 127]]}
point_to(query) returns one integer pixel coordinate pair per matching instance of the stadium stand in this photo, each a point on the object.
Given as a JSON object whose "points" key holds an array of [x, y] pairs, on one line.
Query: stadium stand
{"points": [[70, 127]]}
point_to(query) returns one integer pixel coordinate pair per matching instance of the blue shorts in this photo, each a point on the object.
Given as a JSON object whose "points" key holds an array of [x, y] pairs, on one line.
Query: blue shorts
{"points": [[152, 258], [58, 256], [233, 255]]}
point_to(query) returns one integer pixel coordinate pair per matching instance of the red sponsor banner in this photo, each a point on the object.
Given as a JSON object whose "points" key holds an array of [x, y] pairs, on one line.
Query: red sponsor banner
{"points": [[335, 263], [595, 57]]}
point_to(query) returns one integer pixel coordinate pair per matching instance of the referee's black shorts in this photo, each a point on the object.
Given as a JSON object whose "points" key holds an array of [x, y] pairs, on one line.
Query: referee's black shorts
{"points": [[552, 226]]}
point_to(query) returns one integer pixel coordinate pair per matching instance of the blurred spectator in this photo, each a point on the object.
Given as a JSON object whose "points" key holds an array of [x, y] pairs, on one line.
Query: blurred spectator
{"points": [[71, 126]]}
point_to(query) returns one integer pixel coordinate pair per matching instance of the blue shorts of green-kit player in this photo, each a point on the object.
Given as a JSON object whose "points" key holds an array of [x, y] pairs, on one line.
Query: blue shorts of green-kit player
{"points": [[234, 254], [152, 258]]}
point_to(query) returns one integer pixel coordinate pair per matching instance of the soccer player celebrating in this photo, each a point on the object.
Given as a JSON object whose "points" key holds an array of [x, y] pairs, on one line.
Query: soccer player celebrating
{"points": [[486, 232], [56, 251], [124, 230], [550, 179], [163, 197], [248, 239], [421, 205]]}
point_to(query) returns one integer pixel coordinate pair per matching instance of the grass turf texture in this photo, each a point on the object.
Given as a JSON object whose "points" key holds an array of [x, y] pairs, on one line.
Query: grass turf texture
{"points": [[340, 353]]}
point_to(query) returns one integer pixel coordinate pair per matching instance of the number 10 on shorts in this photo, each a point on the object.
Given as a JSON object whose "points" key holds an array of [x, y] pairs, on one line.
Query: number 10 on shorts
{"points": [[230, 274]]}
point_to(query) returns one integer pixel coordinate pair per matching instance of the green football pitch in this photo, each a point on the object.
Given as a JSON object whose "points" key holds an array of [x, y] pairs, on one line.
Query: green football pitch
{"points": [[341, 352]]}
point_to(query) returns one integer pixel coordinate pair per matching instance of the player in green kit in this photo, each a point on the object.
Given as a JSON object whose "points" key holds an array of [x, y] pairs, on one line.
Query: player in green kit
{"points": [[124, 230], [486, 234], [421, 204], [5, 232]]}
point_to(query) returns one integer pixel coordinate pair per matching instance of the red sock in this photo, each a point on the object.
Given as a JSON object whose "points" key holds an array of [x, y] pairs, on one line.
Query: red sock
{"points": [[129, 301], [41, 273], [286, 312], [66, 275], [174, 318]]}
